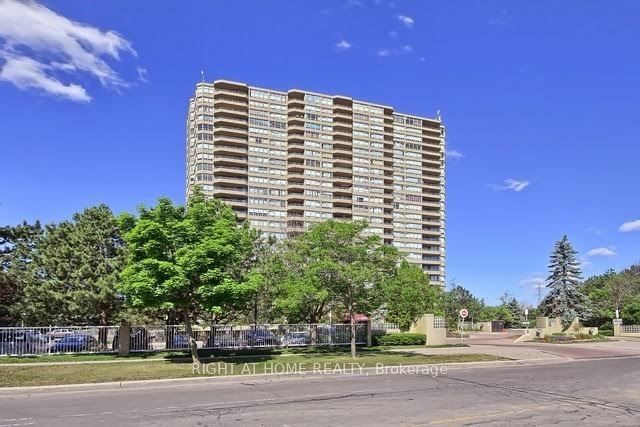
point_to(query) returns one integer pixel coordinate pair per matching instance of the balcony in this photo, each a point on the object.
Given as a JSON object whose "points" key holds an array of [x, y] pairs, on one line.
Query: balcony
{"points": [[226, 92], [228, 102], [234, 131], [342, 191], [230, 140], [229, 180], [342, 180], [229, 160], [229, 192], [229, 149], [231, 121], [233, 111], [230, 170]]}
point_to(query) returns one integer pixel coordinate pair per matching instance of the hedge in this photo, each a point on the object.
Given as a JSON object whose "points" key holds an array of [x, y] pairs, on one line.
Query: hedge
{"points": [[405, 338]]}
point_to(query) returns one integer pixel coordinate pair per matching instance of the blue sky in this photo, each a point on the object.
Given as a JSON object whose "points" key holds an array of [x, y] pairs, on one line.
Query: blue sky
{"points": [[540, 100]]}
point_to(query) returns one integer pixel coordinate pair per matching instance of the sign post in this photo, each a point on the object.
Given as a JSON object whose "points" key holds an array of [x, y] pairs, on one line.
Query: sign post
{"points": [[463, 315]]}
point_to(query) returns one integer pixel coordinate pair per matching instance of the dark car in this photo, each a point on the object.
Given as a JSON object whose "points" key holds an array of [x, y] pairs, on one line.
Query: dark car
{"points": [[139, 339], [74, 343], [20, 341], [178, 341], [223, 338], [261, 338]]}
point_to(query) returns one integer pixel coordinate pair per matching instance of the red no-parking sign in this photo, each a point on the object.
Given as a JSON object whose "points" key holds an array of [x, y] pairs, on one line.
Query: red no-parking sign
{"points": [[464, 313]]}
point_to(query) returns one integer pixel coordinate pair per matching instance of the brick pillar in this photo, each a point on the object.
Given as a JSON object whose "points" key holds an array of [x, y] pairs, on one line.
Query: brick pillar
{"points": [[124, 334]]}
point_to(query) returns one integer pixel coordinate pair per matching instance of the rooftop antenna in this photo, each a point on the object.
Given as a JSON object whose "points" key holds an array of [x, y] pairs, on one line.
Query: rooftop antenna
{"points": [[438, 116], [202, 74]]}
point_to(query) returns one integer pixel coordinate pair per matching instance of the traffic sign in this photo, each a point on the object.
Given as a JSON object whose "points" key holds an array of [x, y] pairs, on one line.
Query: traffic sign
{"points": [[464, 313]]}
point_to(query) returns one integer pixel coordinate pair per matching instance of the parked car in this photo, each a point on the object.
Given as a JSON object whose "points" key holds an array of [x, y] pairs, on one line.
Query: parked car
{"points": [[21, 341], [296, 338], [59, 333], [74, 343], [178, 340], [223, 339], [139, 339], [261, 337]]}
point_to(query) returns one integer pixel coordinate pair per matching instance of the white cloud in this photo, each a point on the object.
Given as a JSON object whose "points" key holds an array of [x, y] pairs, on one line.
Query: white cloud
{"points": [[406, 49], [353, 3], [630, 226], [534, 286], [423, 59], [602, 251], [142, 74], [454, 154], [393, 34], [40, 46], [595, 231], [406, 20], [534, 281], [512, 184], [26, 73], [343, 45]]}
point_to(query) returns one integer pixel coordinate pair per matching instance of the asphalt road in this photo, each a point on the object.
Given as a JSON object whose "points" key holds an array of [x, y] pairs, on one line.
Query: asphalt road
{"points": [[589, 392]]}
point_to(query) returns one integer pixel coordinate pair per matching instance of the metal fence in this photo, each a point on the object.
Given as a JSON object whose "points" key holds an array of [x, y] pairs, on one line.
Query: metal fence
{"points": [[174, 337], [378, 329], [105, 339], [630, 329], [53, 339]]}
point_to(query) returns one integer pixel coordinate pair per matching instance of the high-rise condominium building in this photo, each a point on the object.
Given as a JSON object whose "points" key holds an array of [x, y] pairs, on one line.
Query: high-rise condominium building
{"points": [[287, 160]]}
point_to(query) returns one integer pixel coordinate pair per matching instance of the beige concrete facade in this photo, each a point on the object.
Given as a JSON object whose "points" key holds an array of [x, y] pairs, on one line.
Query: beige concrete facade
{"points": [[286, 160]]}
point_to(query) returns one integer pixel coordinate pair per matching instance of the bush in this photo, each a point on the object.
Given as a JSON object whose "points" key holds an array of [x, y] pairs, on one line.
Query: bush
{"points": [[405, 338], [605, 332]]}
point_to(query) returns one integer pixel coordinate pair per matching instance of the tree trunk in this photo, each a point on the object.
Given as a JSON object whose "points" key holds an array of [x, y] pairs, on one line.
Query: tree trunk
{"points": [[352, 321], [102, 332], [171, 321], [255, 312], [192, 338]]}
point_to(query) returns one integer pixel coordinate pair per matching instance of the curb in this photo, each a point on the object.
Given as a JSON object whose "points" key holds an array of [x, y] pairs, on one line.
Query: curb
{"points": [[168, 382]]}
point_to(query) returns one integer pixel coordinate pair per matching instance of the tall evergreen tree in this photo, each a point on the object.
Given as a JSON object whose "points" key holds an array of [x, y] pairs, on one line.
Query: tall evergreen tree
{"points": [[18, 247], [565, 299], [78, 264]]}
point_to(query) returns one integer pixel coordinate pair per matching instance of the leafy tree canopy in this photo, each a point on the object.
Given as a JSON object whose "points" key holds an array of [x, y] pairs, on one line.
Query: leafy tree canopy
{"points": [[185, 259]]}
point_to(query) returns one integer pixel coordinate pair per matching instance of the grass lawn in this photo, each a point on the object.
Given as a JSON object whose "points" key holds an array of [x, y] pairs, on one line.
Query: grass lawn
{"points": [[179, 367]]}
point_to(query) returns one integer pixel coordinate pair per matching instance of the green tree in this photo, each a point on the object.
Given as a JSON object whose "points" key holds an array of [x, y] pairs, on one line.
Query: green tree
{"points": [[350, 264], [565, 299], [514, 308], [457, 298], [300, 293], [631, 311], [497, 312], [184, 259], [78, 263], [18, 248], [407, 295], [610, 291]]}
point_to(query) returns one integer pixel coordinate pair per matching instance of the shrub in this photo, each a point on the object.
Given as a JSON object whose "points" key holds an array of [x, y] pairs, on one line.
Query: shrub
{"points": [[605, 332], [405, 338]]}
